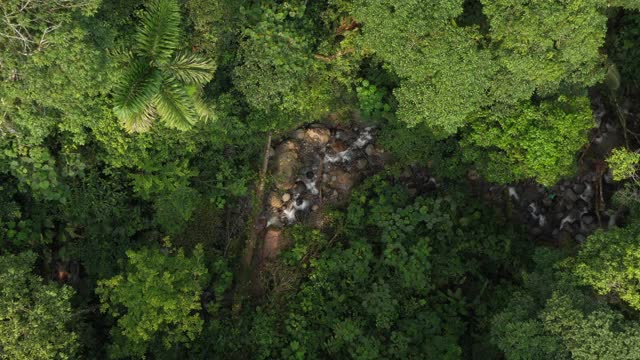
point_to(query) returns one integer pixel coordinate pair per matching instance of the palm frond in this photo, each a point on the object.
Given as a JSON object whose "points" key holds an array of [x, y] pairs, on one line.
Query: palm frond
{"points": [[142, 121], [191, 68], [159, 33], [134, 93], [202, 108], [175, 106]]}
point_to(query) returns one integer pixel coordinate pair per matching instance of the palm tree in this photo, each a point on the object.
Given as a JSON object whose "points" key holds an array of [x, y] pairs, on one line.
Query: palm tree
{"points": [[161, 82]]}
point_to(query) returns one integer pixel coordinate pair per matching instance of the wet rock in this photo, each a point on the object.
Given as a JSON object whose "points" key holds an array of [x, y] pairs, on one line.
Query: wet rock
{"points": [[275, 201], [581, 204], [286, 197], [298, 134], [272, 243], [564, 237], [338, 146], [317, 136], [580, 238], [588, 193], [513, 193], [274, 221], [300, 187], [431, 184], [547, 201], [370, 150], [569, 205], [361, 164], [343, 135], [288, 146], [587, 219], [342, 180], [570, 195], [535, 231], [286, 164], [608, 177]]}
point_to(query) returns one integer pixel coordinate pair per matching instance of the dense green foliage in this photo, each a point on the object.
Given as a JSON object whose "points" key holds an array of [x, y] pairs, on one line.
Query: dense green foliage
{"points": [[609, 263], [404, 284], [538, 141], [157, 296], [34, 316], [131, 130], [550, 317]]}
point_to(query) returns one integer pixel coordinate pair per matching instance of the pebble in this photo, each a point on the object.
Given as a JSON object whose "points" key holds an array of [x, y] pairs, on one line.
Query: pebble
{"points": [[315, 208], [361, 164], [286, 197]]}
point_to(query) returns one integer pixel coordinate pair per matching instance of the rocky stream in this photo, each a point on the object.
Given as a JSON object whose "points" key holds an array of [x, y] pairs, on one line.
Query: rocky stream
{"points": [[318, 165]]}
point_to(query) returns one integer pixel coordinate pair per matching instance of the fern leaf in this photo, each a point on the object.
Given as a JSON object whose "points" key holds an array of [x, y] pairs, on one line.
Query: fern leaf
{"points": [[175, 106], [159, 32], [191, 68], [134, 93]]}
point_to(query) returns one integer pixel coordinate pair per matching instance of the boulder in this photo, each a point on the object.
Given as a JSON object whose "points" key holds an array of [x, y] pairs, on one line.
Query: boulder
{"points": [[570, 195], [317, 136], [370, 150], [275, 201], [298, 134], [338, 146], [341, 180], [587, 219], [286, 164], [272, 243]]}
